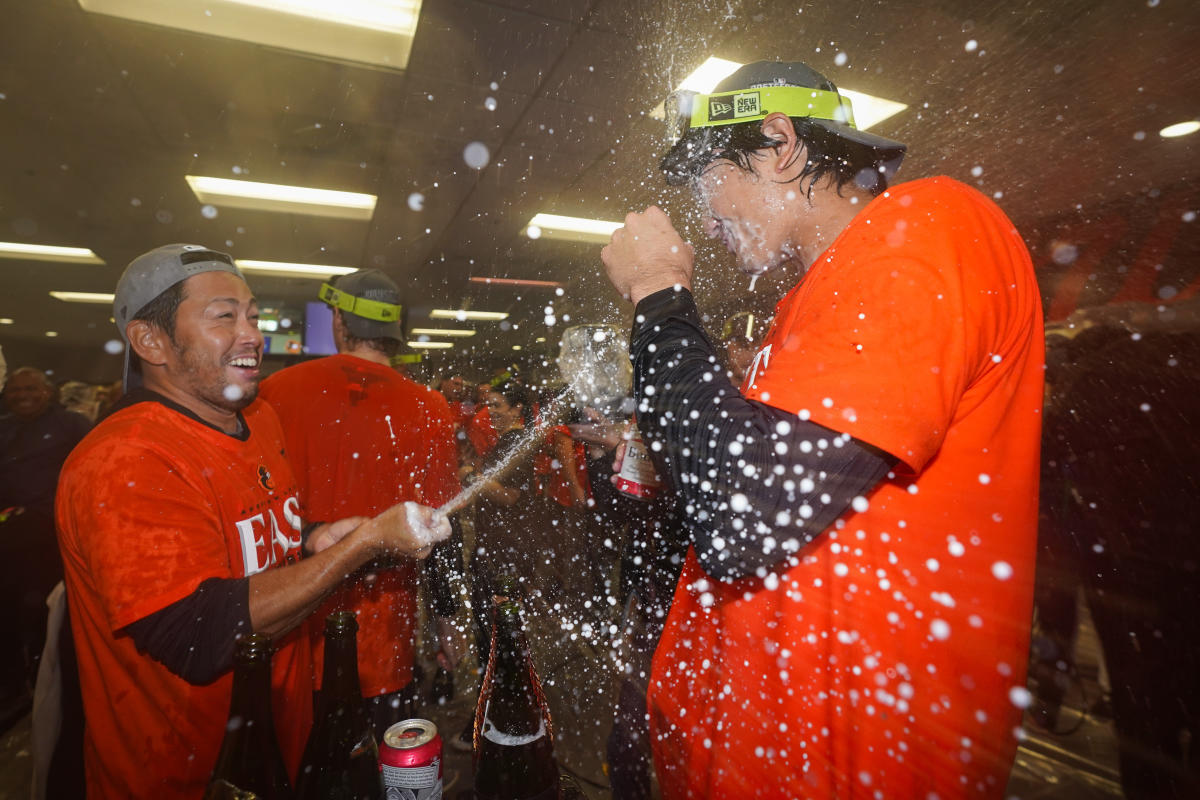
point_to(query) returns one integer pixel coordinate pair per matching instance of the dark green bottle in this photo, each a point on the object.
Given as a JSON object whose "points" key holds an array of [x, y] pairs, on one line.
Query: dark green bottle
{"points": [[250, 761], [341, 758], [514, 755]]}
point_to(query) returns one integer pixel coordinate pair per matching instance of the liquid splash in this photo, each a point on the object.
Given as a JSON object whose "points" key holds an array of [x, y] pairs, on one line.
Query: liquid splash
{"points": [[532, 437]]}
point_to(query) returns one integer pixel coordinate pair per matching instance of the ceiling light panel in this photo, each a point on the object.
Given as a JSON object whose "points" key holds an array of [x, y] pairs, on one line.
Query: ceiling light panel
{"points": [[462, 315], [445, 333], [290, 269], [430, 345], [377, 32], [231, 193], [83, 297], [45, 252], [574, 229]]}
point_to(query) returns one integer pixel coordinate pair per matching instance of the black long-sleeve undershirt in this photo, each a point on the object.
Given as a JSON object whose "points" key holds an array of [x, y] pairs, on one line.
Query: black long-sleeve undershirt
{"points": [[193, 637], [756, 483]]}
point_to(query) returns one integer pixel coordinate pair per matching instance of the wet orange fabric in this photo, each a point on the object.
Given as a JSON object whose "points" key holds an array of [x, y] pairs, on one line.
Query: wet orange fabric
{"points": [[362, 438], [150, 504], [481, 432], [881, 664]]}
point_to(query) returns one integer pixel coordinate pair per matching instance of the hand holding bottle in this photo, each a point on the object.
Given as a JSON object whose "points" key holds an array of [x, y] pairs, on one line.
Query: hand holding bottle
{"points": [[408, 529]]}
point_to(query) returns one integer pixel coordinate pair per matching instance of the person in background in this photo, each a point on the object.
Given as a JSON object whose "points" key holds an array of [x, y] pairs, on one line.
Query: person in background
{"points": [[81, 398], [383, 440], [853, 618], [36, 436], [179, 522]]}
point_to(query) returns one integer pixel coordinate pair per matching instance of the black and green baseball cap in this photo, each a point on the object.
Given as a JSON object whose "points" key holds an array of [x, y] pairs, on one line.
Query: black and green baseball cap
{"points": [[755, 91], [371, 301]]}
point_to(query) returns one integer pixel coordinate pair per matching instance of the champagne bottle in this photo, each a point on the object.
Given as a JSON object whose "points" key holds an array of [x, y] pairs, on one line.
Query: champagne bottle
{"points": [[249, 761], [514, 752], [341, 757]]}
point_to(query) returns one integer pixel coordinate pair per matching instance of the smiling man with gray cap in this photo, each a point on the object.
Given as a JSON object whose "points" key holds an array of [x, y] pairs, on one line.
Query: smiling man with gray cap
{"points": [[853, 617], [180, 525]]}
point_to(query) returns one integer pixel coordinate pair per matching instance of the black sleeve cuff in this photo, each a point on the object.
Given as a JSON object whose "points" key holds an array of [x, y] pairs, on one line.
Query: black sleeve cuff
{"points": [[194, 637]]}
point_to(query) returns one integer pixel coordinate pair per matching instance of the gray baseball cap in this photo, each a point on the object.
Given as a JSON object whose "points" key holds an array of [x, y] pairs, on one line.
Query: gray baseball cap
{"points": [[151, 274]]}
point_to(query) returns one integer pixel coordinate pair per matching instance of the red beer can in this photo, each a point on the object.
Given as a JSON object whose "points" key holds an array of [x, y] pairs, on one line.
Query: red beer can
{"points": [[410, 758], [638, 476]]}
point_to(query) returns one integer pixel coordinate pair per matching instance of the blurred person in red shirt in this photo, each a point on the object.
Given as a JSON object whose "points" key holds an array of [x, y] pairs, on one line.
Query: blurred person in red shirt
{"points": [[362, 437]]}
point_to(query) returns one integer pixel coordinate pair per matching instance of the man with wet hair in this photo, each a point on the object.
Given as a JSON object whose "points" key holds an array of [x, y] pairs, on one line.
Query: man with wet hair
{"points": [[180, 525], [853, 617]]}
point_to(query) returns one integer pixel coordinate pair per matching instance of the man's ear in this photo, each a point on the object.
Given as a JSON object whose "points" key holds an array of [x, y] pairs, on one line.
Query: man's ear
{"points": [[788, 146], [148, 341]]}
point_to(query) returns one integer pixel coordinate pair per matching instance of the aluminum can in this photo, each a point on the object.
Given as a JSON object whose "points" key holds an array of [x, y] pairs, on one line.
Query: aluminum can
{"points": [[410, 758], [638, 477]]}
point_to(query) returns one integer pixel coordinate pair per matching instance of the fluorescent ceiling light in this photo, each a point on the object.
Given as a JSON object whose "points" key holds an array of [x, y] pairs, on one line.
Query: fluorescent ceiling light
{"points": [[517, 281], [516, 347], [52, 334], [378, 32], [575, 229], [45, 252], [83, 297], [232, 193], [1180, 129], [6, 320], [296, 270], [461, 315], [431, 345], [868, 109], [449, 333]]}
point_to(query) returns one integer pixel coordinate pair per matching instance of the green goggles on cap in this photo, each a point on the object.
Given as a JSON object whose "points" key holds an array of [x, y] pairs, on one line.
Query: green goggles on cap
{"points": [[685, 110], [359, 306]]}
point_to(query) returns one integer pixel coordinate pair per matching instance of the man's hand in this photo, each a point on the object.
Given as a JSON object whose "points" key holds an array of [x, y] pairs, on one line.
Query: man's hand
{"points": [[407, 529], [330, 534], [450, 642], [647, 255]]}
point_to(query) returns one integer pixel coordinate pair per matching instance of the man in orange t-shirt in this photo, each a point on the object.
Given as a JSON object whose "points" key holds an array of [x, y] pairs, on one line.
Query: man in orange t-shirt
{"points": [[179, 523], [853, 617], [361, 437]]}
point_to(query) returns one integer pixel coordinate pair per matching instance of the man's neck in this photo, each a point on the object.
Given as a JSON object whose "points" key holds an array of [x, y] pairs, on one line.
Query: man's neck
{"points": [[220, 418], [368, 354], [824, 221]]}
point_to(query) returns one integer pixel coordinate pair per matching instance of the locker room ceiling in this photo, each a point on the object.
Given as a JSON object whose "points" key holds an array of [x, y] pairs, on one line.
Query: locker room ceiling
{"points": [[1053, 105]]}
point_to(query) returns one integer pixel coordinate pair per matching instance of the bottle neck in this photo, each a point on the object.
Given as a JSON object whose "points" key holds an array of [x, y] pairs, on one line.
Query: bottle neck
{"points": [[514, 704], [340, 681], [251, 699]]}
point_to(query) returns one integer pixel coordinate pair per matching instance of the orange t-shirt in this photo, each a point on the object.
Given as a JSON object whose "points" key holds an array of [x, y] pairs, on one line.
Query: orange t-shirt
{"points": [[150, 504], [887, 660], [361, 438]]}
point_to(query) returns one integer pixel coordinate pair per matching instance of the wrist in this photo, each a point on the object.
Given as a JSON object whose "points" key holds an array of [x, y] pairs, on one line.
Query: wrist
{"points": [[638, 292]]}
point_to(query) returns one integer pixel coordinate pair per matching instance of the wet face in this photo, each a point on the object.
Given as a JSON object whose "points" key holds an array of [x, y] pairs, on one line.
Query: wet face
{"points": [[454, 389], [217, 349], [27, 395], [750, 213]]}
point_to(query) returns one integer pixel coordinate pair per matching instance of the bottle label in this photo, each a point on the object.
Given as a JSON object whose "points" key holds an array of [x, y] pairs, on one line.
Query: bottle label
{"points": [[638, 476], [494, 734]]}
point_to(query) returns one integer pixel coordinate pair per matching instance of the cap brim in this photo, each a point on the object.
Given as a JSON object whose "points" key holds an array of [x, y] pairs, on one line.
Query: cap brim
{"points": [[890, 152]]}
